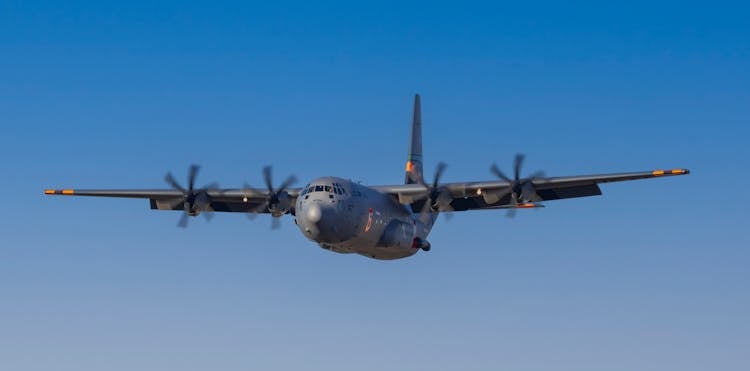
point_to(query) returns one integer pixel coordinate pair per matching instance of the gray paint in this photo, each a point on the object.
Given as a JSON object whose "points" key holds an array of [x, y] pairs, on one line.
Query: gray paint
{"points": [[380, 222]]}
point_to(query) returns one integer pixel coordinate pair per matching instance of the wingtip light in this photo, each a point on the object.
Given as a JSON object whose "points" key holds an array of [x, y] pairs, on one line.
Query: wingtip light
{"points": [[670, 172], [58, 191]]}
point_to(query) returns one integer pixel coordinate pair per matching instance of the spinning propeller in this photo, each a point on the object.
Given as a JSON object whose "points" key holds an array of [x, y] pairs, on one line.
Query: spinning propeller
{"points": [[277, 200], [194, 200], [437, 198], [521, 190]]}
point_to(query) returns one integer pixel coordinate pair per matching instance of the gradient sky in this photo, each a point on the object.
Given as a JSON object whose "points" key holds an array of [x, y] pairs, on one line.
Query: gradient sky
{"points": [[651, 276]]}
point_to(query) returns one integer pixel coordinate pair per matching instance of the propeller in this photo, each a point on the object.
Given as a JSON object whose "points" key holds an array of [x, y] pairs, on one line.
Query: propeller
{"points": [[277, 200], [521, 190], [437, 197], [194, 201]]}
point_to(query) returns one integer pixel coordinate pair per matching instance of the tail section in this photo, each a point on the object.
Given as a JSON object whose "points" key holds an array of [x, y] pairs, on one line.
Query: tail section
{"points": [[414, 161]]}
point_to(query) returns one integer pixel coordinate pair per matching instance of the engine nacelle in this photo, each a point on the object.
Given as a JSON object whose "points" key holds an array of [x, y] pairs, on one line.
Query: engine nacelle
{"points": [[197, 203], [281, 205]]}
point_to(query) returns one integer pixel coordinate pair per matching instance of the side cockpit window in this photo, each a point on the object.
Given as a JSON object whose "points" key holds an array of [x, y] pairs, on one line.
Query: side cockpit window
{"points": [[338, 189]]}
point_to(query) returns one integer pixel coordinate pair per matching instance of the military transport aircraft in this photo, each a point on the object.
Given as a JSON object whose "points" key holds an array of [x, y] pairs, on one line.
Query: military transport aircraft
{"points": [[380, 222]]}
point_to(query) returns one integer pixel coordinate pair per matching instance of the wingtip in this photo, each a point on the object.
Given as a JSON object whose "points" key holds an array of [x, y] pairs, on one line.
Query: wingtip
{"points": [[58, 192], [670, 172]]}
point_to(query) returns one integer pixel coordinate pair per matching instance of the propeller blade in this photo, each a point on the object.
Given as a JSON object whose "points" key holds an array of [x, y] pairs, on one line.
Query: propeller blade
{"points": [[495, 170], [287, 182], [183, 221], [424, 210], [517, 163], [192, 174], [172, 182], [276, 222], [209, 215], [267, 178], [438, 173]]}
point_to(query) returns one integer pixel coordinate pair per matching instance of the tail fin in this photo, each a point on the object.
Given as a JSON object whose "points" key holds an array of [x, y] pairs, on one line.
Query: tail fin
{"points": [[414, 161]]}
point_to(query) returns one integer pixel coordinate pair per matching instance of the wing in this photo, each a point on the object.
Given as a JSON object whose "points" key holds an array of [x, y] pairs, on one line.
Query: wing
{"points": [[497, 194], [225, 200]]}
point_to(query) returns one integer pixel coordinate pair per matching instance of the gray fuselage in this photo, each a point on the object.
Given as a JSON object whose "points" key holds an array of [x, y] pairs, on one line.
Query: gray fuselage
{"points": [[346, 217]]}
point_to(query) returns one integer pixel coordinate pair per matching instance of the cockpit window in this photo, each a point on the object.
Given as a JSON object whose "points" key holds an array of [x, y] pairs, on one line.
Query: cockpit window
{"points": [[334, 188]]}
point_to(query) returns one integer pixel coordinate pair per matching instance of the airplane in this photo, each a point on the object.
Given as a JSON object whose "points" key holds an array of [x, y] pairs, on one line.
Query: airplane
{"points": [[381, 222]]}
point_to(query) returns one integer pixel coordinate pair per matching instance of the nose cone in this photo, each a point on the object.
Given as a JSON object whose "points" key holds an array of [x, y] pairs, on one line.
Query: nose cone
{"points": [[313, 213], [318, 223]]}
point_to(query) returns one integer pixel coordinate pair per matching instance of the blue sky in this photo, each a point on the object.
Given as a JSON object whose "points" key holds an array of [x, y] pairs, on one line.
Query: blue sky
{"points": [[651, 276]]}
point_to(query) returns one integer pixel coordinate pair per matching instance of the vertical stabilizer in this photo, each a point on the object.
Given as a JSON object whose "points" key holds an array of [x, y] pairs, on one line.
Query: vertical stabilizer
{"points": [[414, 160]]}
